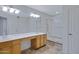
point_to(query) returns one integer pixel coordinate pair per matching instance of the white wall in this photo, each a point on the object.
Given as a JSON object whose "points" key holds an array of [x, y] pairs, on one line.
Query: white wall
{"points": [[55, 27]]}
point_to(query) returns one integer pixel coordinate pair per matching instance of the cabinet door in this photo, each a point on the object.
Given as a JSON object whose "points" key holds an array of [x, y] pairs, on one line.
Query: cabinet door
{"points": [[10, 47], [5, 47], [35, 43], [5, 50], [16, 47], [43, 39]]}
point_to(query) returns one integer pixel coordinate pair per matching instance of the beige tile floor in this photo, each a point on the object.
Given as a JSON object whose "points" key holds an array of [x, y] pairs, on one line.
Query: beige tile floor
{"points": [[50, 48]]}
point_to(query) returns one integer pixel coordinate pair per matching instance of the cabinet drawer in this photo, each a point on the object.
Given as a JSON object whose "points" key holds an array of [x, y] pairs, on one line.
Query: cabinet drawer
{"points": [[5, 50], [15, 42], [5, 44]]}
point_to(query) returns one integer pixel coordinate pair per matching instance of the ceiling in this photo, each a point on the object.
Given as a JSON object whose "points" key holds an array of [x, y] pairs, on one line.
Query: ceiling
{"points": [[48, 9]]}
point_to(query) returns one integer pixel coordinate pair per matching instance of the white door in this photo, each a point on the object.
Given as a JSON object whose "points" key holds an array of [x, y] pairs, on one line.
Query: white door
{"points": [[73, 29]]}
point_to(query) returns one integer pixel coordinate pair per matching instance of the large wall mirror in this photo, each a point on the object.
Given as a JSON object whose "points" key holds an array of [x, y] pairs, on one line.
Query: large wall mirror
{"points": [[3, 25]]}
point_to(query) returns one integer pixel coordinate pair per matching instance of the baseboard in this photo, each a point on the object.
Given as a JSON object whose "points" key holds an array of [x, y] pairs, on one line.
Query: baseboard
{"points": [[55, 42], [40, 47]]}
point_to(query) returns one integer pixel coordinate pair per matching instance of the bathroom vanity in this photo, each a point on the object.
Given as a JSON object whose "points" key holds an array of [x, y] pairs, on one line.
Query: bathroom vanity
{"points": [[12, 43]]}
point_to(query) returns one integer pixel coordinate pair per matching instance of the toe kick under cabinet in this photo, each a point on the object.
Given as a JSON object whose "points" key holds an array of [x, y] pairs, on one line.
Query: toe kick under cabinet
{"points": [[14, 46]]}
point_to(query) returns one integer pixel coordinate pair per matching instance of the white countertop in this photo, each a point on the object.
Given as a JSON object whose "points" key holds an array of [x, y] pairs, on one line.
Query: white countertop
{"points": [[5, 38]]}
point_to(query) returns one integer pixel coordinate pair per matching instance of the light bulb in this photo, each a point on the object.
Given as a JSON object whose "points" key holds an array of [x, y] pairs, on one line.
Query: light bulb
{"points": [[5, 9], [17, 11], [34, 15], [11, 10]]}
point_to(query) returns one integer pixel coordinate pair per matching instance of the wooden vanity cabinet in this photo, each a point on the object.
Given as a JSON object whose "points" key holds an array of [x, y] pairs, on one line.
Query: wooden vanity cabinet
{"points": [[39, 41], [11, 47], [14, 46]]}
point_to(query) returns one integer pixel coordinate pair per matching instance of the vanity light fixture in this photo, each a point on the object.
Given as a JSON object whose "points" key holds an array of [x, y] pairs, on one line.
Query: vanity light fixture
{"points": [[17, 11], [34, 15], [5, 9], [11, 10]]}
